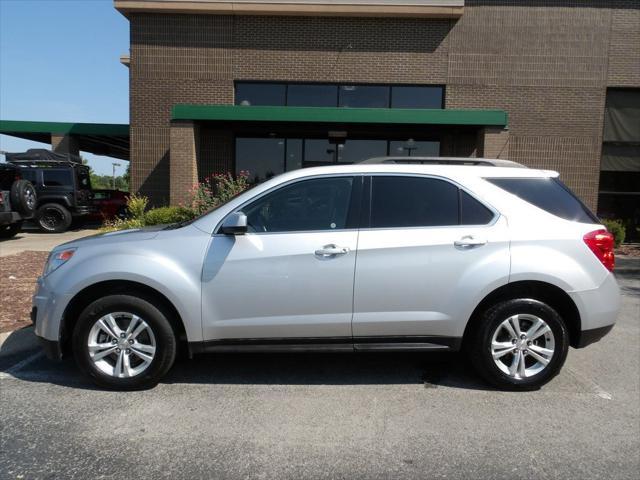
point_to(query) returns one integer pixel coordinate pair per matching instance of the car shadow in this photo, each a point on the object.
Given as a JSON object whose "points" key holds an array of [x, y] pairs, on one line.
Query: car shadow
{"points": [[432, 370]]}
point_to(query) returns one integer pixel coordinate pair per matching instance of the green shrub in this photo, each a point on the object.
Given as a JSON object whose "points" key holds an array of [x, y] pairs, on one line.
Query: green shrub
{"points": [[617, 229], [136, 206], [119, 224], [166, 215], [217, 189]]}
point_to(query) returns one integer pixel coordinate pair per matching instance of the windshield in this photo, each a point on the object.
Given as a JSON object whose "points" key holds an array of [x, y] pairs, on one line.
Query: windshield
{"points": [[184, 223]]}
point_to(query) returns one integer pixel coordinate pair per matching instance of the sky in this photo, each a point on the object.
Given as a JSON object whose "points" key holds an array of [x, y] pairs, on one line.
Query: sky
{"points": [[60, 62]]}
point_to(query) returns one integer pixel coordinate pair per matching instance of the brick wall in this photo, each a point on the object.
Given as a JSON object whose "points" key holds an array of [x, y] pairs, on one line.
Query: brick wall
{"points": [[547, 63]]}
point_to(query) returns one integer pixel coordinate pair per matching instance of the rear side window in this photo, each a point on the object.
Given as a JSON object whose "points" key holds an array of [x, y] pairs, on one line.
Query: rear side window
{"points": [[549, 194], [472, 212], [413, 202], [57, 178]]}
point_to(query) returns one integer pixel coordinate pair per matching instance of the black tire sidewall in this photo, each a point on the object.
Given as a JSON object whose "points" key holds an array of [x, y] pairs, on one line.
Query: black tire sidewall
{"points": [[157, 321], [11, 230], [18, 193], [481, 348], [61, 226]]}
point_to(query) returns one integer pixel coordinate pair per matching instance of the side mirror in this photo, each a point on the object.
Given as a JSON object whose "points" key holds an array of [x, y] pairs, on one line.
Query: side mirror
{"points": [[234, 224]]}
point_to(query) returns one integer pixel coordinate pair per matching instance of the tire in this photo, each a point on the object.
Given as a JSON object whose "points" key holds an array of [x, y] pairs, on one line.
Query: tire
{"points": [[53, 218], [9, 231], [23, 197], [552, 345], [105, 371]]}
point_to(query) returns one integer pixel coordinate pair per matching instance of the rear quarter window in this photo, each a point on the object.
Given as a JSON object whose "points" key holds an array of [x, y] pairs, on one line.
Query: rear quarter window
{"points": [[549, 194]]}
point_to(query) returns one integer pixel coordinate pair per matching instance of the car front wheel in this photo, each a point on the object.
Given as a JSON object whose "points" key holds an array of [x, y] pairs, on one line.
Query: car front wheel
{"points": [[124, 342], [520, 344]]}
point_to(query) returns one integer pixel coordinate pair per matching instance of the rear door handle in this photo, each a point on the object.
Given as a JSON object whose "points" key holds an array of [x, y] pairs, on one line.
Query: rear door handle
{"points": [[469, 241], [331, 251]]}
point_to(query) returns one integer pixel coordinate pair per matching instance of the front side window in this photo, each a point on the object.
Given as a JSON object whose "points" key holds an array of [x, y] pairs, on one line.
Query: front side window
{"points": [[413, 202], [308, 205], [57, 178]]}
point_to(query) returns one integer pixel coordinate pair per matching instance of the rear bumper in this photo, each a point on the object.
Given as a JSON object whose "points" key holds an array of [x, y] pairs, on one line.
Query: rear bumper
{"points": [[600, 306], [7, 218]]}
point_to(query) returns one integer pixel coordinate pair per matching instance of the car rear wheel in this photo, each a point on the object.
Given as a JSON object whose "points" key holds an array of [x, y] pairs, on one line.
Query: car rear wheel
{"points": [[124, 342], [8, 231], [53, 218], [519, 344]]}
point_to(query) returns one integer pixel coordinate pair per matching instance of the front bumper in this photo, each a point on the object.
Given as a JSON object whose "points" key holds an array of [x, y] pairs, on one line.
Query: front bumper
{"points": [[47, 314], [51, 348], [587, 337]]}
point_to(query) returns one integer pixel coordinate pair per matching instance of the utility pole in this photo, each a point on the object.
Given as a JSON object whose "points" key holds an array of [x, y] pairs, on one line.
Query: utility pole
{"points": [[113, 175]]}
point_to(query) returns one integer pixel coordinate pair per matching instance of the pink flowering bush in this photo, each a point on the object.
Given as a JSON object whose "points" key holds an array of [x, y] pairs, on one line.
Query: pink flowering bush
{"points": [[217, 189]]}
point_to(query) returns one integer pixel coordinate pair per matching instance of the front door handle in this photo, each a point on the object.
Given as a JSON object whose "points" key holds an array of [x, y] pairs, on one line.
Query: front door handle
{"points": [[469, 241], [331, 251]]}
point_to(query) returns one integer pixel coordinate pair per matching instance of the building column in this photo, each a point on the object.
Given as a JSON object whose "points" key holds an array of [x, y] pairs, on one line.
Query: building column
{"points": [[493, 142], [183, 161], [64, 143]]}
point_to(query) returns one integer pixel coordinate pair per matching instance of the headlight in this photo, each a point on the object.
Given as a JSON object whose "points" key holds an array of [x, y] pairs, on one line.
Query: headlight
{"points": [[56, 259]]}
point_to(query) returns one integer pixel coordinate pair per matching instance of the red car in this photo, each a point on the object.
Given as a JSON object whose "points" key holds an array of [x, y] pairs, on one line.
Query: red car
{"points": [[109, 204]]}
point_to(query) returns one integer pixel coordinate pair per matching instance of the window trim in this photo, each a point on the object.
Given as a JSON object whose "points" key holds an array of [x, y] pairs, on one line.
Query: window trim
{"points": [[368, 203], [356, 190]]}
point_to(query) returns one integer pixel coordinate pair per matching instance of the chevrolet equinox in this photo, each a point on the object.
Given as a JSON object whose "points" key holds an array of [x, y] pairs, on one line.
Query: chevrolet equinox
{"points": [[502, 262]]}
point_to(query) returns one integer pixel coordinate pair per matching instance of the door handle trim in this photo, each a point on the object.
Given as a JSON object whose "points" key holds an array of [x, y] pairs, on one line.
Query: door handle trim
{"points": [[470, 241], [331, 251]]}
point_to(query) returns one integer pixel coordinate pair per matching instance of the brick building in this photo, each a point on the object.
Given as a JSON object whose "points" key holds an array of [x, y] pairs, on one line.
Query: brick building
{"points": [[267, 86]]}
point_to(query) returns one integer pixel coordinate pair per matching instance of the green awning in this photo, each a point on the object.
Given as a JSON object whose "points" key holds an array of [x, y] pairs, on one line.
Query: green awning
{"points": [[325, 115], [99, 138]]}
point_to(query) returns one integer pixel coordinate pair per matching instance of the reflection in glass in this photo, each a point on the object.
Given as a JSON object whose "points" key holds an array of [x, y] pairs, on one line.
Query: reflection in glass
{"points": [[252, 94], [294, 154], [354, 151], [364, 96], [416, 97], [263, 158], [412, 148], [312, 96], [319, 151]]}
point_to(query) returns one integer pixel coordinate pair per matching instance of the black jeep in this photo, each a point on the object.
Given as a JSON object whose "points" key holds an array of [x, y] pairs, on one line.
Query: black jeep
{"points": [[17, 200], [63, 187]]}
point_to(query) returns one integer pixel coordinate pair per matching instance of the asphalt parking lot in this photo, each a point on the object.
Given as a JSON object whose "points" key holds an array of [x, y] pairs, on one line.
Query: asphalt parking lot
{"points": [[328, 416]]}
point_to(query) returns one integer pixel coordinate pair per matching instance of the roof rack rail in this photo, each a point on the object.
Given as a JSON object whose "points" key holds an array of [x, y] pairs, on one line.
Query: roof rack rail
{"points": [[45, 162], [484, 162]]}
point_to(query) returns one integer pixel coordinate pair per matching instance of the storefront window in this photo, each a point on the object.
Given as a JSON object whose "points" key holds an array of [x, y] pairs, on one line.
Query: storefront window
{"points": [[364, 96], [263, 158], [412, 148], [257, 94], [319, 151], [416, 97], [303, 95], [354, 151], [334, 95]]}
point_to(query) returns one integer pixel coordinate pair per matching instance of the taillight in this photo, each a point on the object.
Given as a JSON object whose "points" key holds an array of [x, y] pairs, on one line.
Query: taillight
{"points": [[600, 242]]}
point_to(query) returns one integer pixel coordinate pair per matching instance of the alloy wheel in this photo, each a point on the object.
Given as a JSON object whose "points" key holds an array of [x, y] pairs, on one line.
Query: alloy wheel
{"points": [[522, 346], [121, 345]]}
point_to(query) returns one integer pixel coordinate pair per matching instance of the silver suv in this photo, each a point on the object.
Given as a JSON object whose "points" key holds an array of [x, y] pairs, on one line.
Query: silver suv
{"points": [[504, 263]]}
